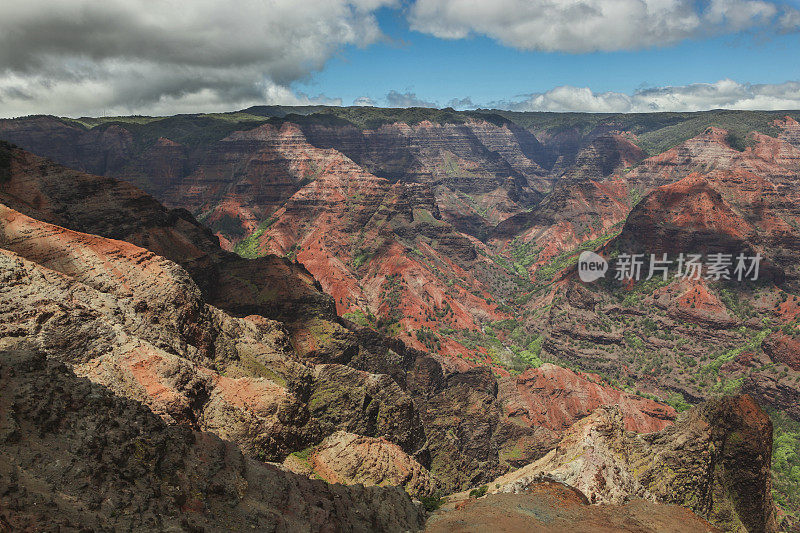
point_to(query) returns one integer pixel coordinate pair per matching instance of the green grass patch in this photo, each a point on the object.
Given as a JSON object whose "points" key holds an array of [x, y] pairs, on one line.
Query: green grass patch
{"points": [[479, 492], [786, 463], [250, 247], [569, 258], [752, 345]]}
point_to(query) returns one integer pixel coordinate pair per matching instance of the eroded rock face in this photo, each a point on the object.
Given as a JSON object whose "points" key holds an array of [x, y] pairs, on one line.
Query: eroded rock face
{"points": [[699, 337], [73, 455], [715, 460], [353, 459], [273, 370], [555, 398], [236, 181], [688, 216], [136, 323], [484, 172], [383, 250]]}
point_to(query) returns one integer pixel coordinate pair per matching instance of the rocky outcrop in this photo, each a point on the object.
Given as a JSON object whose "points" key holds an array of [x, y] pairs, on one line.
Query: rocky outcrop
{"points": [[548, 506], [72, 455], [353, 459], [555, 398], [688, 216], [715, 460], [268, 365], [383, 251], [136, 323]]}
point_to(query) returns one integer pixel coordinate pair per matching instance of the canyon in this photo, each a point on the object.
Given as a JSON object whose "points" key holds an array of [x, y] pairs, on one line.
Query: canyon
{"points": [[389, 298]]}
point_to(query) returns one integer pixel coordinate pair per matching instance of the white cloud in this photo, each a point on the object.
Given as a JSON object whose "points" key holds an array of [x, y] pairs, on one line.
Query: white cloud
{"points": [[597, 25], [83, 57], [724, 94], [461, 103], [406, 99], [365, 101]]}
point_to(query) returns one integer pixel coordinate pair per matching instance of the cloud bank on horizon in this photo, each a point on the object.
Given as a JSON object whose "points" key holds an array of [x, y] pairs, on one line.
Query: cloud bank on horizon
{"points": [[724, 94], [82, 57]]}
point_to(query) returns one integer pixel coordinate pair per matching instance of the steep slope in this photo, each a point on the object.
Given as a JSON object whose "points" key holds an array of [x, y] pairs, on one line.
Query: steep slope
{"points": [[72, 455], [342, 215], [714, 460], [272, 367], [137, 324], [490, 167], [587, 202], [385, 255], [482, 172]]}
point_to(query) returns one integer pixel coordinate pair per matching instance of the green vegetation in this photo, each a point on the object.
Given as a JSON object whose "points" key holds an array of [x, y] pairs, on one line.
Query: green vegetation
{"points": [[477, 493], [374, 117], [524, 253], [250, 247], [566, 259], [291, 255], [304, 454], [361, 258], [633, 340], [391, 290], [634, 197], [786, 464], [256, 368], [505, 342], [739, 307], [429, 339], [656, 132], [432, 502], [737, 141], [753, 344], [678, 402], [360, 318]]}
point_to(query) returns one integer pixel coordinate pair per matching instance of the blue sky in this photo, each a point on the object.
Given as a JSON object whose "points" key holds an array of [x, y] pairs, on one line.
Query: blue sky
{"points": [[91, 57], [439, 70]]}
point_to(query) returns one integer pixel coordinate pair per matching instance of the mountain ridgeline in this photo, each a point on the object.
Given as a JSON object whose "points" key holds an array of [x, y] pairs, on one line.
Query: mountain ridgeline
{"points": [[390, 297]]}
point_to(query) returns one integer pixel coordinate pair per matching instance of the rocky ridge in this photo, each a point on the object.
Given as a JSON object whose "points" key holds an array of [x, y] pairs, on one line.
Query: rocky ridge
{"points": [[73, 455], [275, 379], [714, 460]]}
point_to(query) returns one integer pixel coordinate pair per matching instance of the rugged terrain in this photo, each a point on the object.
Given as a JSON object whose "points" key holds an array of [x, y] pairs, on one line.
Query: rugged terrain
{"points": [[75, 456], [708, 461], [274, 374], [446, 243]]}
